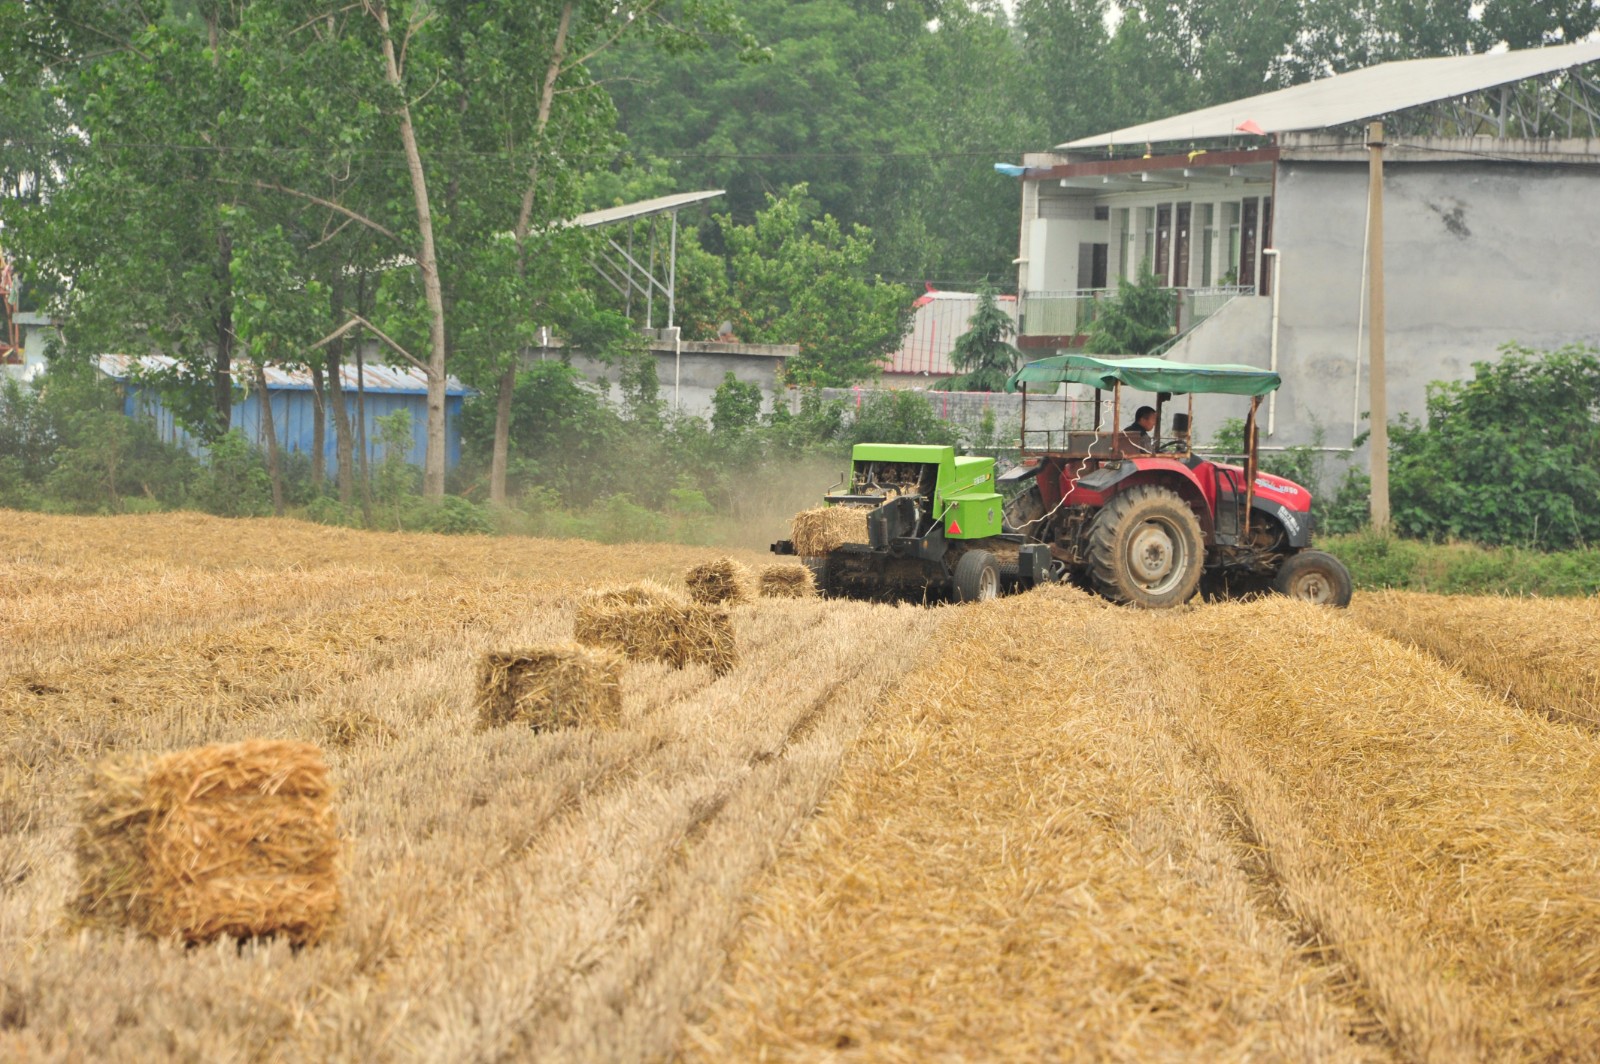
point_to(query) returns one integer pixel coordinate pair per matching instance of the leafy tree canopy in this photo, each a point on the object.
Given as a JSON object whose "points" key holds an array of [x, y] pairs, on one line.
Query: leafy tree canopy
{"points": [[1134, 321], [806, 281], [1511, 456]]}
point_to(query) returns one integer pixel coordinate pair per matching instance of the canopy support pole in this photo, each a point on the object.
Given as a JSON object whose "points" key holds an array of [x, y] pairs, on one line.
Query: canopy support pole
{"points": [[1249, 467]]}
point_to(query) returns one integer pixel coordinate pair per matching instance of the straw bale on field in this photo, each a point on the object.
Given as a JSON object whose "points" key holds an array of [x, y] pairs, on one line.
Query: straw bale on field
{"points": [[723, 581], [1544, 653], [826, 528], [678, 634], [558, 686], [638, 593], [787, 581], [237, 840]]}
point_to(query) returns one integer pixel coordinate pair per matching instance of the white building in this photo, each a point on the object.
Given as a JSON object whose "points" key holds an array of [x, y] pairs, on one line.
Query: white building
{"points": [[1256, 211]]}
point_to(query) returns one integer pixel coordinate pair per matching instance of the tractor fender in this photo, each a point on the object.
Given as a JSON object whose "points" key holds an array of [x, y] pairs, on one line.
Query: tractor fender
{"points": [[1297, 524], [1098, 486]]}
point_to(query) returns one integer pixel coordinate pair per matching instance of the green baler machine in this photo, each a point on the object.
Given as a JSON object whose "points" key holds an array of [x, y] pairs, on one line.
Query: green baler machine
{"points": [[935, 529]]}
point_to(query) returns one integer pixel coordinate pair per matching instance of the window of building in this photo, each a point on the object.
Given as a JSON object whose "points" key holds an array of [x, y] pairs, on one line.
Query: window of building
{"points": [[1163, 257], [1230, 220], [1147, 243], [1249, 231], [1205, 227]]}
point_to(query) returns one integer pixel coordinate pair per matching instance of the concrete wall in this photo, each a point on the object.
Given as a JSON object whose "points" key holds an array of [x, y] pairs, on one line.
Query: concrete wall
{"points": [[1477, 253], [689, 382]]}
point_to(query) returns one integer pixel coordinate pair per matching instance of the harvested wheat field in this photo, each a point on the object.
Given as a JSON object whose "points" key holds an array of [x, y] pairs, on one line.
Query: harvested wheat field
{"points": [[1039, 828]]}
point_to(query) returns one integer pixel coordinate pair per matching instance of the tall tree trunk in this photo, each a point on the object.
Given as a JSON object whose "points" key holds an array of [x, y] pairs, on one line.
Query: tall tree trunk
{"points": [[427, 262], [508, 378], [319, 428], [222, 374], [344, 438], [502, 436], [361, 422], [274, 466]]}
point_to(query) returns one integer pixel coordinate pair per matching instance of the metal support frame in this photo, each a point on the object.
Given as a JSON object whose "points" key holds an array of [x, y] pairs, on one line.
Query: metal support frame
{"points": [[621, 269], [1559, 104]]}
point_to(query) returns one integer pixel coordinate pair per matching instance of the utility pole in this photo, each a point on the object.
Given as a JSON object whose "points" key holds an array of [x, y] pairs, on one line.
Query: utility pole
{"points": [[1378, 380]]}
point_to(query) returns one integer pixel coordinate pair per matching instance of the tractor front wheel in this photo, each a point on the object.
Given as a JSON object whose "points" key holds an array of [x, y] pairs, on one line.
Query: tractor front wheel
{"points": [[1315, 576], [977, 577], [1146, 549]]}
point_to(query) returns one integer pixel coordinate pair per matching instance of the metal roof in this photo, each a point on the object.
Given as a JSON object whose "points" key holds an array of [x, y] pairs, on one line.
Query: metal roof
{"points": [[642, 209], [1360, 94], [376, 378]]}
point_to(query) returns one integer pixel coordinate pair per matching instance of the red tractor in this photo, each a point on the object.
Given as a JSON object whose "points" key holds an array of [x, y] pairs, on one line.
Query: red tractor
{"points": [[1140, 518]]}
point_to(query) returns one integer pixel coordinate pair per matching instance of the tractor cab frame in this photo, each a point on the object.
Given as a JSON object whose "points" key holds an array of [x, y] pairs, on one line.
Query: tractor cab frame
{"points": [[1242, 525]]}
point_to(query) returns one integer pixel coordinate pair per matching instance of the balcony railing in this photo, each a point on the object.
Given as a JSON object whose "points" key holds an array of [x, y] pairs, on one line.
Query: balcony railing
{"points": [[1071, 313]]}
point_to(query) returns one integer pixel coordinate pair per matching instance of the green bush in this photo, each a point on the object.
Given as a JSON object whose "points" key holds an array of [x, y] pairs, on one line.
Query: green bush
{"points": [[327, 510], [1510, 457], [1377, 561], [458, 517], [233, 481]]}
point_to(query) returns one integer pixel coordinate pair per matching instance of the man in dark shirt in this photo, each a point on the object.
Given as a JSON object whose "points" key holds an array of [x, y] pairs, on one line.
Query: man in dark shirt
{"points": [[1144, 423]]}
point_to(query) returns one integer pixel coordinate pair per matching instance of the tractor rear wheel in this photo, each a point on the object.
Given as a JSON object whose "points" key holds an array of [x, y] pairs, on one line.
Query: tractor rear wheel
{"points": [[977, 577], [1146, 549], [1315, 576]]}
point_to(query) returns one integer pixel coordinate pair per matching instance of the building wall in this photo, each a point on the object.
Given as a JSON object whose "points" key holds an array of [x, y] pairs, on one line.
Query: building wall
{"points": [[292, 419], [1476, 254], [688, 384]]}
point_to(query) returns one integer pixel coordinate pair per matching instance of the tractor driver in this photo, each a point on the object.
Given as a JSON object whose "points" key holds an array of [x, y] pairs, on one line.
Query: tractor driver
{"points": [[1144, 423]]}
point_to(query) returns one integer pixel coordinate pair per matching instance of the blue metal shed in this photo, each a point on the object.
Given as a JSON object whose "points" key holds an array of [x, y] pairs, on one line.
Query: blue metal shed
{"points": [[384, 389]]}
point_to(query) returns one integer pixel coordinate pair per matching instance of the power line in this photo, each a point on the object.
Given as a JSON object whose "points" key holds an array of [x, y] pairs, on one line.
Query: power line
{"points": [[502, 153]]}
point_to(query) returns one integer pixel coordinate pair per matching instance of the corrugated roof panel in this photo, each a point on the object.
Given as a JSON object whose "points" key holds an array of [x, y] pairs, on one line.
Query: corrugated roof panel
{"points": [[1352, 97], [375, 377], [642, 209], [939, 320]]}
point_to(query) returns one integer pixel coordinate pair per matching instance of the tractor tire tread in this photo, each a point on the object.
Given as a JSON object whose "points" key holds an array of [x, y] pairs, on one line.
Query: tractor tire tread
{"points": [[1105, 570]]}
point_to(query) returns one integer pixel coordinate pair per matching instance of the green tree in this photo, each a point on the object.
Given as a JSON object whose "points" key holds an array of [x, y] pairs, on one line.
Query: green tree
{"points": [[1511, 456], [807, 282], [735, 406], [1134, 321], [984, 356]]}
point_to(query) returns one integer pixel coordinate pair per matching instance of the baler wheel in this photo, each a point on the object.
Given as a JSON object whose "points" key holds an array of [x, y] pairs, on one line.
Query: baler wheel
{"points": [[819, 574], [1315, 576], [1145, 549], [977, 577]]}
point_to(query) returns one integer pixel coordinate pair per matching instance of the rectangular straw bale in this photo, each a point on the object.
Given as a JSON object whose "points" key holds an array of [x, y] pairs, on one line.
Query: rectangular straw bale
{"points": [[787, 581], [826, 528], [558, 686], [723, 581], [638, 593], [677, 634], [237, 840]]}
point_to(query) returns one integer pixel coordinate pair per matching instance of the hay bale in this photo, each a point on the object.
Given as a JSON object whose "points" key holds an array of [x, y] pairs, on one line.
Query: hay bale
{"points": [[724, 581], [558, 686], [678, 634], [639, 593], [826, 528], [787, 581], [237, 840]]}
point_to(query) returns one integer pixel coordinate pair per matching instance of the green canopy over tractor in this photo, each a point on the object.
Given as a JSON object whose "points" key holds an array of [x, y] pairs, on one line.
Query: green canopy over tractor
{"points": [[1147, 375]]}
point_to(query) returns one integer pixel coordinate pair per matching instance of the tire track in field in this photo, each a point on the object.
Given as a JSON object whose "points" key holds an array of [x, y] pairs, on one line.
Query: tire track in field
{"points": [[1020, 863], [1442, 841], [1540, 654], [644, 843]]}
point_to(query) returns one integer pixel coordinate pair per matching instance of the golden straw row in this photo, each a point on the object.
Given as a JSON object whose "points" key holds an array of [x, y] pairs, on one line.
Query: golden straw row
{"points": [[1020, 864], [1440, 840], [1543, 653]]}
